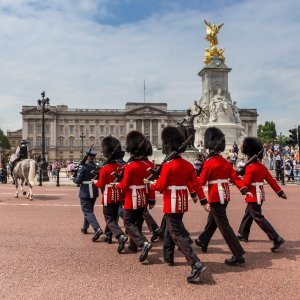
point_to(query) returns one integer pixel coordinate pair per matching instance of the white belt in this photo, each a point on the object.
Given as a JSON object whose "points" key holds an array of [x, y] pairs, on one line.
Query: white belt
{"points": [[258, 191], [173, 189], [220, 188], [90, 183], [134, 195], [105, 194]]}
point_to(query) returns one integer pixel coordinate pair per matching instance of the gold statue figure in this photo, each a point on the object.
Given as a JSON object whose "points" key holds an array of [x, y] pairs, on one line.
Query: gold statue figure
{"points": [[211, 35]]}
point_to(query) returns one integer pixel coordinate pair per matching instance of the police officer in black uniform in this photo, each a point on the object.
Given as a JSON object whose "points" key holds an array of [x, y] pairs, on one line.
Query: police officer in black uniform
{"points": [[21, 152], [88, 194]]}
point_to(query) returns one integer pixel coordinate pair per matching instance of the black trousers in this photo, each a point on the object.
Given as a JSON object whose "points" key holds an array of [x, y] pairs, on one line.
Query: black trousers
{"points": [[87, 207], [176, 234], [151, 224], [133, 220], [253, 212], [217, 218], [111, 217]]}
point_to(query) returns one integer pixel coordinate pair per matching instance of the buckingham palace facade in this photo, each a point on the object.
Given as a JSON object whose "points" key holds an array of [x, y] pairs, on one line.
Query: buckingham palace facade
{"points": [[69, 131]]}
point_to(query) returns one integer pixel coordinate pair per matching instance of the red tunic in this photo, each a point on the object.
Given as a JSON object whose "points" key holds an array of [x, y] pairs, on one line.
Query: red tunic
{"points": [[176, 177], [133, 186], [109, 195], [216, 173], [255, 174]]}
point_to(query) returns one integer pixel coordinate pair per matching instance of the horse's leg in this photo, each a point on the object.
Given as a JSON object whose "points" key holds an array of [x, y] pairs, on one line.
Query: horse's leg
{"points": [[30, 195], [17, 188], [22, 187]]}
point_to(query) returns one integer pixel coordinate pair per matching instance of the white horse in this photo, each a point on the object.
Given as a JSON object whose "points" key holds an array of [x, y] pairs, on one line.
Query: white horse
{"points": [[24, 170]]}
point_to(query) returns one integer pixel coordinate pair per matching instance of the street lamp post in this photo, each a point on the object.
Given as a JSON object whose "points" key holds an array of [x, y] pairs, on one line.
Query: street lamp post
{"points": [[43, 107], [81, 141]]}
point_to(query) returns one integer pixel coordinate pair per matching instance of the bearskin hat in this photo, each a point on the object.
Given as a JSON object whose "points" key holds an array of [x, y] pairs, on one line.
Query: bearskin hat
{"points": [[252, 146], [111, 144], [213, 139], [172, 139], [148, 148], [136, 143]]}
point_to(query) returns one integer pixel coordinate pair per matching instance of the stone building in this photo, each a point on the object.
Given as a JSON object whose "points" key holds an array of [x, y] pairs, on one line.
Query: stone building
{"points": [[14, 137], [69, 131]]}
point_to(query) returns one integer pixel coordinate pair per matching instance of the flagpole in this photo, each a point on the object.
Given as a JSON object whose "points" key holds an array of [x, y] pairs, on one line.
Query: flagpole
{"points": [[144, 91]]}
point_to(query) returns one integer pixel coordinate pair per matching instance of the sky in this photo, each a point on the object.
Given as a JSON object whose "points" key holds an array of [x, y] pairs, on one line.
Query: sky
{"points": [[97, 54]]}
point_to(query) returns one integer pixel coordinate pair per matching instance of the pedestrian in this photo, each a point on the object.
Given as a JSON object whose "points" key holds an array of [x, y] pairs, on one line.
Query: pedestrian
{"points": [[135, 193], [111, 198], [255, 175], [176, 175], [279, 167], [88, 193], [216, 172]]}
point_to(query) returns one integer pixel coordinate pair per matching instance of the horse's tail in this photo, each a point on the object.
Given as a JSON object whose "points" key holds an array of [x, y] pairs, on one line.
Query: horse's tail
{"points": [[32, 172]]}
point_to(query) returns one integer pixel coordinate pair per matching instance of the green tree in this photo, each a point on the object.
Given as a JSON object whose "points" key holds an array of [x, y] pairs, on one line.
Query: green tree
{"points": [[267, 133], [4, 143]]}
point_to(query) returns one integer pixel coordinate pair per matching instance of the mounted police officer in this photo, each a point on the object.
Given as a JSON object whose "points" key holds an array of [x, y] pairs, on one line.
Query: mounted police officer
{"points": [[88, 194], [21, 153]]}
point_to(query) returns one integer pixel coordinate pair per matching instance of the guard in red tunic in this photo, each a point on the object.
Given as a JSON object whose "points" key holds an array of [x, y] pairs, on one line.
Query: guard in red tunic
{"points": [[216, 173], [151, 223], [175, 178], [111, 198], [255, 175], [135, 193]]}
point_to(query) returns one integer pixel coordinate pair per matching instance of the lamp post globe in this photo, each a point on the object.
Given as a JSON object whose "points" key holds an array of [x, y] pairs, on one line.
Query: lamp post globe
{"points": [[43, 107]]}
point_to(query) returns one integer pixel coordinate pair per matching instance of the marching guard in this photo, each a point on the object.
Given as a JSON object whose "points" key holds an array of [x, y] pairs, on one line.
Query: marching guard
{"points": [[216, 173], [255, 174], [176, 175], [88, 193], [135, 193], [111, 197]]}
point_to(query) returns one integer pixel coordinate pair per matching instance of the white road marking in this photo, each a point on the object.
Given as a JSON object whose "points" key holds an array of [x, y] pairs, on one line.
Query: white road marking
{"points": [[52, 204], [36, 194]]}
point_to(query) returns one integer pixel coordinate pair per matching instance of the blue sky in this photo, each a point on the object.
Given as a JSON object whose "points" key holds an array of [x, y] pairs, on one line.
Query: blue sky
{"points": [[96, 54]]}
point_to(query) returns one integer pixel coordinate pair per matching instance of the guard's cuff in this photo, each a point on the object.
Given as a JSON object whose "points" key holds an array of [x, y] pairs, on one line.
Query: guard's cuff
{"points": [[280, 193], [193, 194], [151, 202], [243, 190], [203, 201]]}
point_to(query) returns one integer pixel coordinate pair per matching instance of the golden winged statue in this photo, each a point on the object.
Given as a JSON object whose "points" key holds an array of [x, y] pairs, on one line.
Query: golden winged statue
{"points": [[212, 31]]}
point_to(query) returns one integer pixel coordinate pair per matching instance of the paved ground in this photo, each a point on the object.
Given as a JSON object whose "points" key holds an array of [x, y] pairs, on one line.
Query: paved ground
{"points": [[43, 255]]}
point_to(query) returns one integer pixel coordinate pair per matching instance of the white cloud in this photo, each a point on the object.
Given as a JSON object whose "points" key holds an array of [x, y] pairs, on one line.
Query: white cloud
{"points": [[58, 46]]}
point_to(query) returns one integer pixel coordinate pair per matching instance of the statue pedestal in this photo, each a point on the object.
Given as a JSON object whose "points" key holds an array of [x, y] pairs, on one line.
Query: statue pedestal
{"points": [[158, 156], [233, 132], [189, 155]]}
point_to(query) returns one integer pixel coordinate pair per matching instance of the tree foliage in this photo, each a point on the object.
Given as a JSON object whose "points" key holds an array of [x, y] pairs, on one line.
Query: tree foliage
{"points": [[267, 132], [4, 143]]}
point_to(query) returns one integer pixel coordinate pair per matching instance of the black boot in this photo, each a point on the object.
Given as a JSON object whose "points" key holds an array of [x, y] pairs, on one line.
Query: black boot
{"points": [[197, 269], [144, 251], [235, 261], [97, 234], [122, 240], [277, 243], [155, 235], [84, 231], [201, 245], [108, 238], [242, 237]]}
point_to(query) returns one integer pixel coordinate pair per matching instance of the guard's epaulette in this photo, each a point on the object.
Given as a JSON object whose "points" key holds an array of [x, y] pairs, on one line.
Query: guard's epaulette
{"points": [[169, 161], [209, 158]]}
